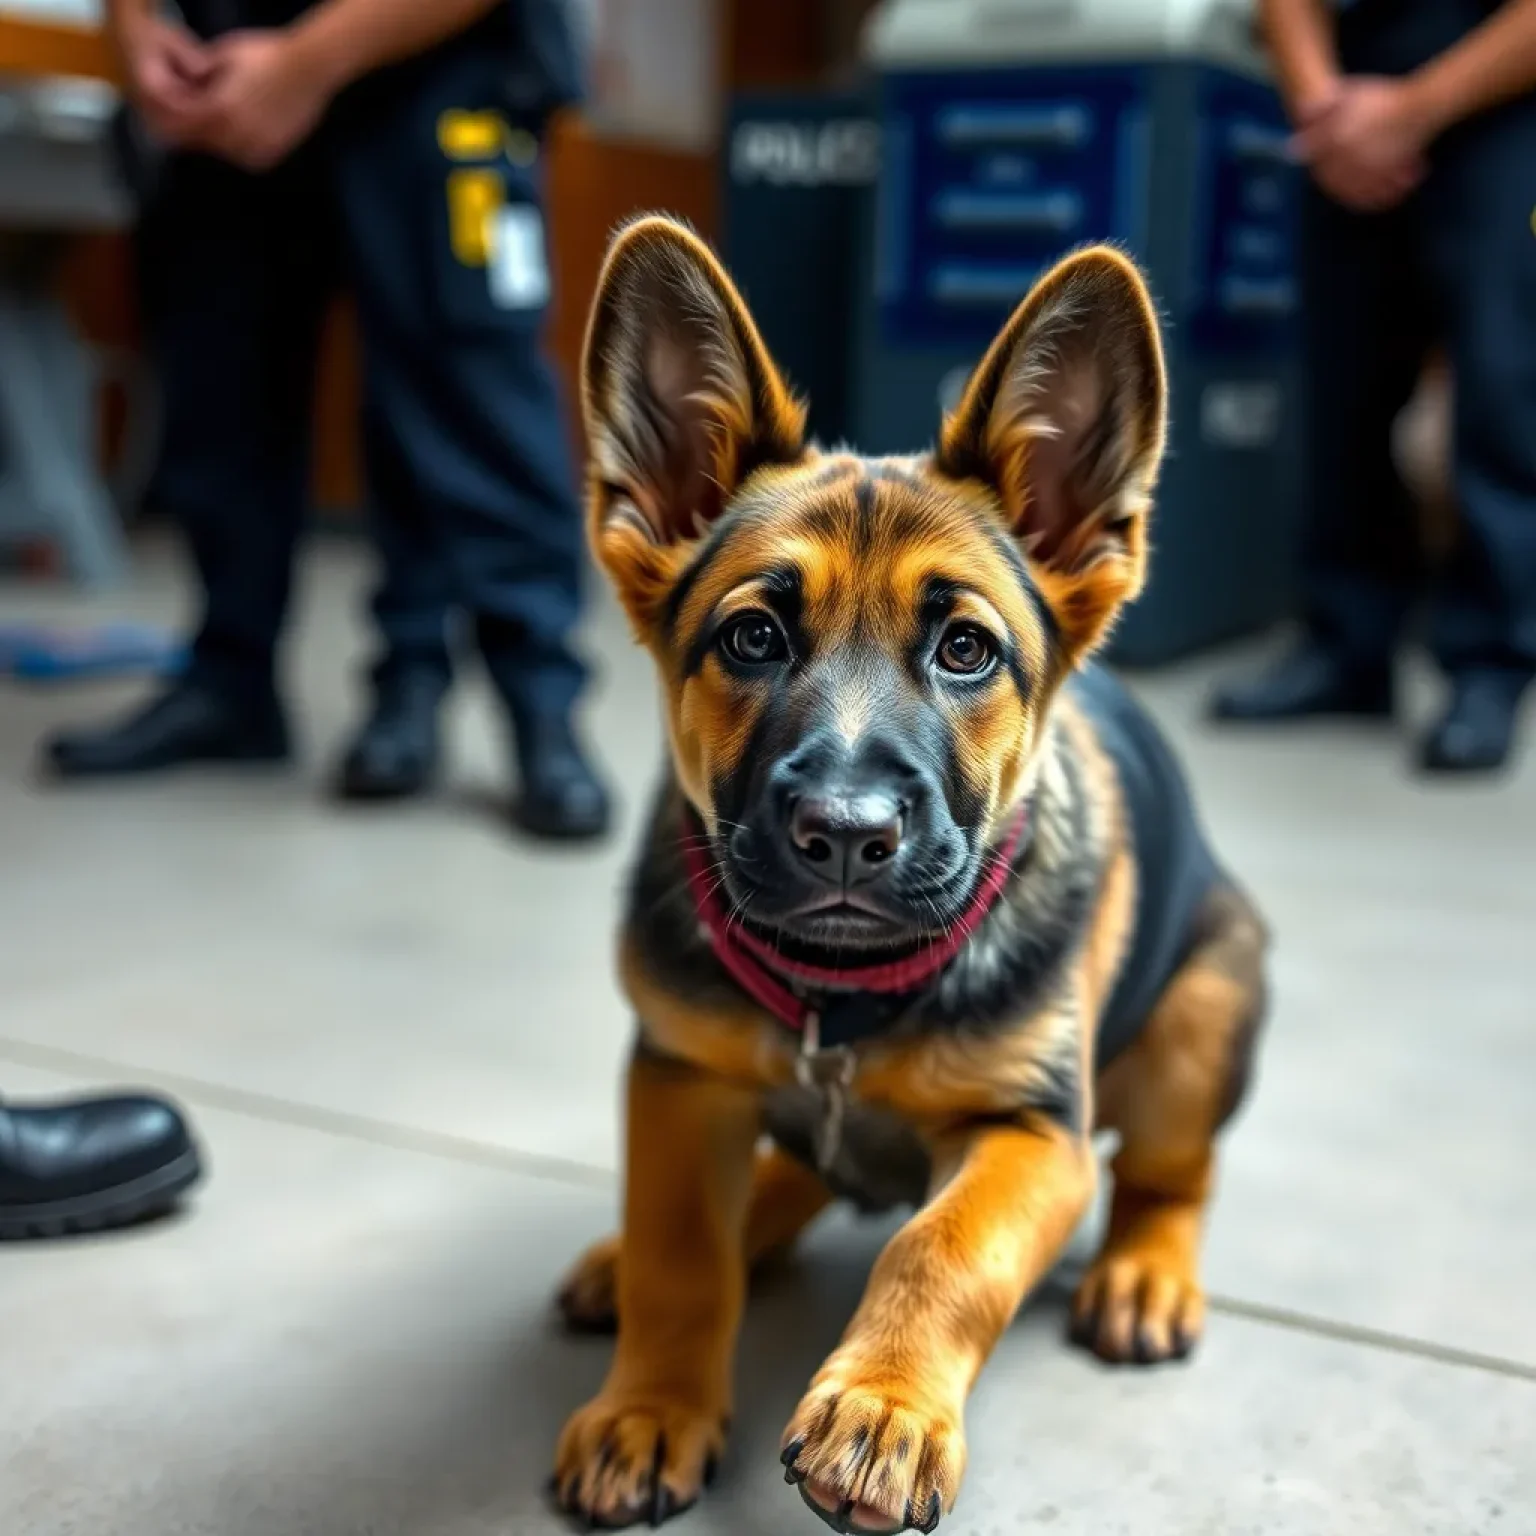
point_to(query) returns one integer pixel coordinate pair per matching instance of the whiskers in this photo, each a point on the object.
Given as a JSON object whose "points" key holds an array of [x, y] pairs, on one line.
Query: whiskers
{"points": [[717, 870], [731, 870], [930, 876]]}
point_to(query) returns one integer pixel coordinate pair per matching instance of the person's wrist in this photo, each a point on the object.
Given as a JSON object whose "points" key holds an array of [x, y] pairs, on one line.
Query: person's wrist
{"points": [[322, 53], [127, 29], [127, 16], [1424, 106], [1311, 97]]}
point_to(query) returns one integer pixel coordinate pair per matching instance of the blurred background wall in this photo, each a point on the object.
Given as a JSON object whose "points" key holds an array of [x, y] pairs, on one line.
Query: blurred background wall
{"points": [[664, 76]]}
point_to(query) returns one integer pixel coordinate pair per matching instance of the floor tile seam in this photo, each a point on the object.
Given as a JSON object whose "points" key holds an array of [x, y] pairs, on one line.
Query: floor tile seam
{"points": [[465, 1150], [1268, 1315], [204, 1093]]}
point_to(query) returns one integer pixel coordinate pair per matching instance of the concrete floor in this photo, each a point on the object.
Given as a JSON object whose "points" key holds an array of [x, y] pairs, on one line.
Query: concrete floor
{"points": [[399, 1038]]}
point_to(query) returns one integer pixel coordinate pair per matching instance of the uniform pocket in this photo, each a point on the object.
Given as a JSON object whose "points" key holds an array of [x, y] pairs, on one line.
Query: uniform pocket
{"points": [[490, 253]]}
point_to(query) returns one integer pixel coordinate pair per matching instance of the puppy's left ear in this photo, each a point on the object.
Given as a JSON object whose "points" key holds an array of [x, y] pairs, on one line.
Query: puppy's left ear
{"points": [[1064, 420], [682, 403]]}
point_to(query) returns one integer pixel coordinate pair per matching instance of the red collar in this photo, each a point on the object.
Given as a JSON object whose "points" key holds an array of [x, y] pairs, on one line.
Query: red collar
{"points": [[775, 981]]}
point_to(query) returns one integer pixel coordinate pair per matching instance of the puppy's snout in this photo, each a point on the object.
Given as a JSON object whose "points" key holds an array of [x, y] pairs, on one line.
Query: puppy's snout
{"points": [[846, 839]]}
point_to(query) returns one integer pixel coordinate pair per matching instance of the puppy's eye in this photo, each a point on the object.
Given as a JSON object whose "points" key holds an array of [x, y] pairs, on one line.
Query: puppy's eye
{"points": [[753, 639], [966, 650]]}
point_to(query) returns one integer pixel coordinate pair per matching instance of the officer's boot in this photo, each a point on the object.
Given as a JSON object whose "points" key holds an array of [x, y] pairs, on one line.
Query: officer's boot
{"points": [[560, 795], [1477, 730], [397, 753], [192, 721], [1308, 681], [79, 1165]]}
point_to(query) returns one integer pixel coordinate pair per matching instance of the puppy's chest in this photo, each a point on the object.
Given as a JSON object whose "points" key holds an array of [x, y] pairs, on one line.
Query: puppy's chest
{"points": [[879, 1160]]}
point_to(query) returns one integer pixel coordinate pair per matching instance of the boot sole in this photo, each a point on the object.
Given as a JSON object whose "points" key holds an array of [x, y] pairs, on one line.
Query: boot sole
{"points": [[552, 830], [152, 1194], [246, 757], [353, 792], [1430, 766], [350, 787]]}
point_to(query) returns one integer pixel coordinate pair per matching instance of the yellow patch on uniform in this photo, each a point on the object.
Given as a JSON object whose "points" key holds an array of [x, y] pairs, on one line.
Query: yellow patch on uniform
{"points": [[474, 199], [470, 135]]}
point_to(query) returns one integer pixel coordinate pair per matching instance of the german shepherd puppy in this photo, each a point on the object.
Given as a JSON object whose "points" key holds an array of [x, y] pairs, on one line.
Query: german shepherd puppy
{"points": [[922, 902]]}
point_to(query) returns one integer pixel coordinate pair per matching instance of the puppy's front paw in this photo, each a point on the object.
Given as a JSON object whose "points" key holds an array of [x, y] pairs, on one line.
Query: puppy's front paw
{"points": [[622, 1461], [873, 1452]]}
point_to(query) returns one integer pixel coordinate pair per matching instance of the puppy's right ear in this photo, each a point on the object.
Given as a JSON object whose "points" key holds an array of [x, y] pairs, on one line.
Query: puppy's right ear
{"points": [[682, 403]]}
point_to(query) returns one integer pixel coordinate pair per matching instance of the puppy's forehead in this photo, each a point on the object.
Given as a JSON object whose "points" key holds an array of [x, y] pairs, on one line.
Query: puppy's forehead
{"points": [[865, 540]]}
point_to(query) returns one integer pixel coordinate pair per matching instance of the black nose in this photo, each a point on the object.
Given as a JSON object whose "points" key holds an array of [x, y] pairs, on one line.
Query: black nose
{"points": [[846, 839]]}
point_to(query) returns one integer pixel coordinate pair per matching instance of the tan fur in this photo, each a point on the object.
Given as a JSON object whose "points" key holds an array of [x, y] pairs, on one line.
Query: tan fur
{"points": [[1055, 444], [661, 1416], [1167, 1096], [786, 1198], [882, 1422]]}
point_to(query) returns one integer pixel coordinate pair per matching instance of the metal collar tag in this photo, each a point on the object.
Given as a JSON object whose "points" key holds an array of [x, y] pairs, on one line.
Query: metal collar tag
{"points": [[829, 1074]]}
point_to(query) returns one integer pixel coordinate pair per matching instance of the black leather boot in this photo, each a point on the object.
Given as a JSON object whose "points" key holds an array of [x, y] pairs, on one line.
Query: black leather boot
{"points": [[1309, 681], [397, 752], [190, 722], [1477, 730], [560, 796], [84, 1164]]}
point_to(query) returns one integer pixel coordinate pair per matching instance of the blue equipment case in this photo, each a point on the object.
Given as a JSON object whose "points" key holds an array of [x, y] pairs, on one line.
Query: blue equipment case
{"points": [[991, 172]]}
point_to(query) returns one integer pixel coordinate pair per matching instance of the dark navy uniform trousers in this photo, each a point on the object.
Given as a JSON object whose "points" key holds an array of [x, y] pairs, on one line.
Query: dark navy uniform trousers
{"points": [[469, 479], [1455, 266]]}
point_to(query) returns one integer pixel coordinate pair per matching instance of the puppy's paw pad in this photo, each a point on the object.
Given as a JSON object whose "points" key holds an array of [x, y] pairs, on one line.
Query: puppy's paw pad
{"points": [[622, 1463], [588, 1299], [1138, 1309], [872, 1457]]}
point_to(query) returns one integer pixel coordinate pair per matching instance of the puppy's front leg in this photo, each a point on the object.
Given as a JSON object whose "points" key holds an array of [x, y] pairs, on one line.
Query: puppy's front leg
{"points": [[642, 1449], [877, 1442]]}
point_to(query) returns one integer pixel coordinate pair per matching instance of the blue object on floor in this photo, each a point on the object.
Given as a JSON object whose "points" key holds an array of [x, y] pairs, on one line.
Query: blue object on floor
{"points": [[43, 653]]}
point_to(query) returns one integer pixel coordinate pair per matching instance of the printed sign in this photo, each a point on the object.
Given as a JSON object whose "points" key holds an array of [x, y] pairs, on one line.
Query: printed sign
{"points": [[841, 153]]}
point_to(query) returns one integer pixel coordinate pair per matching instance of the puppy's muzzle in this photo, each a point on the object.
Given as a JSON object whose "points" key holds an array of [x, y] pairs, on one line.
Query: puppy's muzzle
{"points": [[846, 839]]}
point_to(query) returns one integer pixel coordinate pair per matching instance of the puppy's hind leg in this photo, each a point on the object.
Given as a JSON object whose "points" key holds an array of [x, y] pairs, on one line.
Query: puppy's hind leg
{"points": [[1167, 1096]]}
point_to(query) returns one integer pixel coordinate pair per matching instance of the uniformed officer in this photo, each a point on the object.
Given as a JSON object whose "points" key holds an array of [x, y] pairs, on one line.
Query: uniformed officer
{"points": [[1418, 121], [395, 145]]}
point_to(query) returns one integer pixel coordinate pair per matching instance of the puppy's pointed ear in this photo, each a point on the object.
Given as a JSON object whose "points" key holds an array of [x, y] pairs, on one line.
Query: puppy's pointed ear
{"points": [[1064, 421], [682, 403]]}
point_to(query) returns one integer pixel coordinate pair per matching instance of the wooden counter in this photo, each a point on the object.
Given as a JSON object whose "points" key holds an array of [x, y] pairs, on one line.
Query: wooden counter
{"points": [[29, 47]]}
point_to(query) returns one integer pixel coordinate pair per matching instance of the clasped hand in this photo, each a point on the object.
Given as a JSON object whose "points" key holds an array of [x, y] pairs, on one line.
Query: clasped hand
{"points": [[250, 96], [1364, 141]]}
